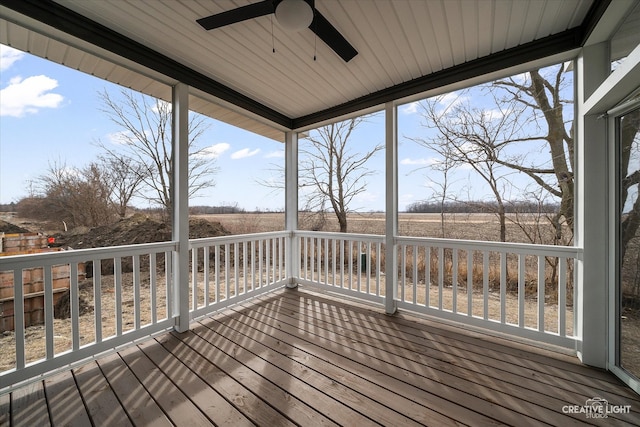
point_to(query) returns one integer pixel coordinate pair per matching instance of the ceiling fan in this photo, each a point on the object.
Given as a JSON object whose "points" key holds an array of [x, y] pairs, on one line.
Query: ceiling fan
{"points": [[293, 15]]}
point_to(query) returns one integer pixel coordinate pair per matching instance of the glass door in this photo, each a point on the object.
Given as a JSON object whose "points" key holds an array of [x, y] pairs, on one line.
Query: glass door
{"points": [[627, 292]]}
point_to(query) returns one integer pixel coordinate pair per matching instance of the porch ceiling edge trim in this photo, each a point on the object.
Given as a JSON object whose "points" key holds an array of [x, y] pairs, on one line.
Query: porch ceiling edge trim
{"points": [[538, 49], [557, 43], [595, 13], [70, 22], [64, 19]]}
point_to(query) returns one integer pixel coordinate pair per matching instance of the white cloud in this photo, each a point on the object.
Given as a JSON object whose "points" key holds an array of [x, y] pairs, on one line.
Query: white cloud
{"points": [[451, 99], [214, 151], [161, 105], [8, 56], [495, 114], [445, 101], [120, 138], [279, 154], [410, 108], [367, 197], [28, 96], [245, 152], [421, 162], [406, 199]]}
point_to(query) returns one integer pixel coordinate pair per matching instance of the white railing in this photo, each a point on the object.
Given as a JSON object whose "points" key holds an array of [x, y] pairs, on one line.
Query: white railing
{"points": [[227, 270], [127, 293], [115, 295], [350, 264], [524, 290]]}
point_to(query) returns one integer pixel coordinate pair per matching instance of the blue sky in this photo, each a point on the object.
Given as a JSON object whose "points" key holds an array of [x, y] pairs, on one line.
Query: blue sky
{"points": [[50, 113]]}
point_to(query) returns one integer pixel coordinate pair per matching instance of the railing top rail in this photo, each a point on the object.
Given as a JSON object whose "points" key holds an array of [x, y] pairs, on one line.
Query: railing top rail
{"points": [[80, 255], [206, 241], [511, 247], [377, 238]]}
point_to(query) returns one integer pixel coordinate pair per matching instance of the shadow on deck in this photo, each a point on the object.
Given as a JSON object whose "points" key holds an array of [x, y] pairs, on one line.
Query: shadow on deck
{"points": [[301, 358]]}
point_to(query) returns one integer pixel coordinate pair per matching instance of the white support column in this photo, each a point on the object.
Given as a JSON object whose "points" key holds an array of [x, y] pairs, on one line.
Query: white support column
{"points": [[291, 207], [391, 209], [180, 204], [591, 203]]}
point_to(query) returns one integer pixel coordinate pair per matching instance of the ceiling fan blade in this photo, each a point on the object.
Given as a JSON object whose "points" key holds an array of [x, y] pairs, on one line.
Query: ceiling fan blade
{"points": [[332, 37], [239, 14]]}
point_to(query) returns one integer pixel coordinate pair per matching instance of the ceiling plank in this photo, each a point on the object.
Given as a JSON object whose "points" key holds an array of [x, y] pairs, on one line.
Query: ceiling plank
{"points": [[400, 45], [532, 51], [79, 26]]}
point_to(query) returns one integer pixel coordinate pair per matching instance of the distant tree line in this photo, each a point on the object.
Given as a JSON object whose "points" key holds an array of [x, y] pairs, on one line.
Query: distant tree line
{"points": [[8, 207], [521, 206], [215, 210]]}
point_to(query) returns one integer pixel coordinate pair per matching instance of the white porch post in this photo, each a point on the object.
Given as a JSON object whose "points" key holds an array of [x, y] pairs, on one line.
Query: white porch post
{"points": [[592, 202], [180, 204], [291, 207], [391, 207]]}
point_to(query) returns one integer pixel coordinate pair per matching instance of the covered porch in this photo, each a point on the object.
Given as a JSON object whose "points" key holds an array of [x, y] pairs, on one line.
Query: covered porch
{"points": [[301, 327], [295, 357]]}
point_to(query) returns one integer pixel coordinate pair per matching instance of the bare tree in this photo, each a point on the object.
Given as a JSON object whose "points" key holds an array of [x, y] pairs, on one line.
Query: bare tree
{"points": [[78, 197], [524, 109], [125, 177], [441, 187], [541, 95], [471, 136], [331, 171], [145, 143]]}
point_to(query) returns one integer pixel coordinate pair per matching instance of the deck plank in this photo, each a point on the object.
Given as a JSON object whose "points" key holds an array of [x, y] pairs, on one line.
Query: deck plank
{"points": [[354, 375], [174, 403], [102, 404], [257, 410], [29, 406], [560, 365], [141, 408], [480, 371], [517, 394], [338, 390], [551, 397], [5, 410], [304, 358], [267, 363], [211, 403], [482, 400], [65, 403], [286, 403]]}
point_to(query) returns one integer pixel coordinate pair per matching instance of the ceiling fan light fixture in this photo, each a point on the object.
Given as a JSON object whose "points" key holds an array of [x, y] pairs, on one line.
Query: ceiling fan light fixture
{"points": [[294, 15]]}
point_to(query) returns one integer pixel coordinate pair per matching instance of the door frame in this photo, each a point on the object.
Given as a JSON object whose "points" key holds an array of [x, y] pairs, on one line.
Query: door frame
{"points": [[612, 117]]}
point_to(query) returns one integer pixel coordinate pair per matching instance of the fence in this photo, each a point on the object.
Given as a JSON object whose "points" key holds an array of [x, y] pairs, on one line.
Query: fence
{"points": [[226, 270], [126, 295], [128, 292], [350, 264], [521, 289]]}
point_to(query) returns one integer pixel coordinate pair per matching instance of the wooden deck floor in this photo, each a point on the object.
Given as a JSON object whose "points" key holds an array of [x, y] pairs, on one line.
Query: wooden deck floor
{"points": [[299, 358]]}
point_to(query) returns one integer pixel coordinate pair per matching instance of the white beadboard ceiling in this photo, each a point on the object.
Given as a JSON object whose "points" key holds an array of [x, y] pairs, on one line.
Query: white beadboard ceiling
{"points": [[398, 42]]}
